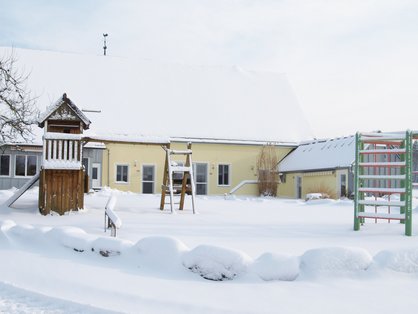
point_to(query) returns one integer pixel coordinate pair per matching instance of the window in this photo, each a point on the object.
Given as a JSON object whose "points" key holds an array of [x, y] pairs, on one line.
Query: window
{"points": [[5, 165], [25, 165], [148, 178], [122, 173], [223, 174]]}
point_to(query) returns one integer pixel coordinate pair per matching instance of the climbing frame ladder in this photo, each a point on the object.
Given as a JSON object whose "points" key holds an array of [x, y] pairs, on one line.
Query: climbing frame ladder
{"points": [[170, 168], [383, 167]]}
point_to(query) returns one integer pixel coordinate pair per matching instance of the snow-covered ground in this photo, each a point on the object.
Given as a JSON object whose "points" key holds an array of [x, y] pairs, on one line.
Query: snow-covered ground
{"points": [[237, 255]]}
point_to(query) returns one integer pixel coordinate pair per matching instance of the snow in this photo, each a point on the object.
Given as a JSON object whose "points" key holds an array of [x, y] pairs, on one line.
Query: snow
{"points": [[109, 209], [139, 96], [259, 255], [62, 136], [61, 164], [216, 263], [271, 266], [129, 138], [335, 259]]}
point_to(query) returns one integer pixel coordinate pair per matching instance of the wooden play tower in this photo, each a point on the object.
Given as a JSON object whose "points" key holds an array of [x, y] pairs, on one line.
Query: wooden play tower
{"points": [[61, 185]]}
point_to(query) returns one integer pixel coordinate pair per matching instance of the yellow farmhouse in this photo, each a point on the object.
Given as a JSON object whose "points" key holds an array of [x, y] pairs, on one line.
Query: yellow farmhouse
{"points": [[219, 166]]}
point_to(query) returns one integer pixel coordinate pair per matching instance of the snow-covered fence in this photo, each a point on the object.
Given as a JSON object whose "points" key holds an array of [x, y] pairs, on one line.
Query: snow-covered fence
{"points": [[112, 220]]}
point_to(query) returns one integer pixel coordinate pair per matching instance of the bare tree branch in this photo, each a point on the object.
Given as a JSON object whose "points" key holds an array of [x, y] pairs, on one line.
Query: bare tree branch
{"points": [[17, 105]]}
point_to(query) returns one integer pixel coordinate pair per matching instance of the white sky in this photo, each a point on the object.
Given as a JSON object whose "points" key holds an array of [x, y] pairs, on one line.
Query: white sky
{"points": [[353, 63]]}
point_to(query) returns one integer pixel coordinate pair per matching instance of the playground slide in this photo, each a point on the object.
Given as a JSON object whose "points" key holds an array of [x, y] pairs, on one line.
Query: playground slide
{"points": [[22, 190]]}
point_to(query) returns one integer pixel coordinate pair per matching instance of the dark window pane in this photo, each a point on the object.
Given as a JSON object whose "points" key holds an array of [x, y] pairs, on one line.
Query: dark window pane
{"points": [[94, 174], [5, 165], [125, 174], [201, 189], [147, 187], [31, 165], [118, 173], [86, 164], [223, 174], [20, 166]]}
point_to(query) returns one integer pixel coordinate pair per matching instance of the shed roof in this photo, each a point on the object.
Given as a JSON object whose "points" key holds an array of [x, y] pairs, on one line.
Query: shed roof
{"points": [[320, 154]]}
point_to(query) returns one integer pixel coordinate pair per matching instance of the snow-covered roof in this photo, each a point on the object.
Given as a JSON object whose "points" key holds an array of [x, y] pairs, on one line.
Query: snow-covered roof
{"points": [[63, 100], [321, 154], [230, 141], [127, 138], [171, 100]]}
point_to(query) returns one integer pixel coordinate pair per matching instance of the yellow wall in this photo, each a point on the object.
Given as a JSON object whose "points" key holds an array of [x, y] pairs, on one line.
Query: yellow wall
{"points": [[321, 181], [241, 158]]}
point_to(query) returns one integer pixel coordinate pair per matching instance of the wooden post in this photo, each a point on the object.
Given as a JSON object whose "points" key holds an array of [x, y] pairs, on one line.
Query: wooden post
{"points": [[165, 178]]}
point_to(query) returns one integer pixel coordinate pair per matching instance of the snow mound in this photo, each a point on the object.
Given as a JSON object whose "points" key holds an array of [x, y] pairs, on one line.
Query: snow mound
{"points": [[271, 266], [336, 259], [161, 252], [216, 263], [108, 192], [4, 241], [71, 237], [110, 246], [403, 260], [26, 234]]}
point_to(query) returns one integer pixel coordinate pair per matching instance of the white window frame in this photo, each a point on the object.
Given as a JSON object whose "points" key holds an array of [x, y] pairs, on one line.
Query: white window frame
{"points": [[26, 166], [229, 174], [116, 173], [10, 166], [153, 175]]}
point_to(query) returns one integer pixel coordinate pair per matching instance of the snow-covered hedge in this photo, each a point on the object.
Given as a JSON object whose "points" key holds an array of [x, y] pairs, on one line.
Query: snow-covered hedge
{"points": [[160, 252], [216, 263], [271, 266], [335, 259], [402, 260], [166, 255]]}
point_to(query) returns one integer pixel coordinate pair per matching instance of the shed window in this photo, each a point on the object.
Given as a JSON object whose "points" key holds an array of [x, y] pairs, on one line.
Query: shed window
{"points": [[25, 165], [5, 165]]}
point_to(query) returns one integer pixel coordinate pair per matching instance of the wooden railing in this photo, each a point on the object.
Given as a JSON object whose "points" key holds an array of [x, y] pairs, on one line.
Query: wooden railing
{"points": [[62, 151]]}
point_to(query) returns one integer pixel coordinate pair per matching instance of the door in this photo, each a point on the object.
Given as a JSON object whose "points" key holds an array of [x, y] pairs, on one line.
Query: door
{"points": [[96, 180], [343, 185], [298, 187], [148, 179], [200, 172]]}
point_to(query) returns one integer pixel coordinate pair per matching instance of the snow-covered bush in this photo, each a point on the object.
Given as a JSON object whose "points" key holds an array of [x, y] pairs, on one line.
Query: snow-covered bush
{"points": [[335, 259], [271, 266], [216, 263], [71, 237], [110, 246], [26, 235], [402, 260], [161, 252]]}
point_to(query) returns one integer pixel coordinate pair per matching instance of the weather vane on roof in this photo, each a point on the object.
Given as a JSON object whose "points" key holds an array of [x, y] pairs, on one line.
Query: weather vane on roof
{"points": [[104, 45]]}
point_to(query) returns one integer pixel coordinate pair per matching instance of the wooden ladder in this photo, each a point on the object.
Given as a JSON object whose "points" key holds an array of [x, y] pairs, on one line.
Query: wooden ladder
{"points": [[172, 167]]}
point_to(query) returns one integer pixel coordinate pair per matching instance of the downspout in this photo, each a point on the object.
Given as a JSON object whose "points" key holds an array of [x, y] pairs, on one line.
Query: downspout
{"points": [[108, 167]]}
